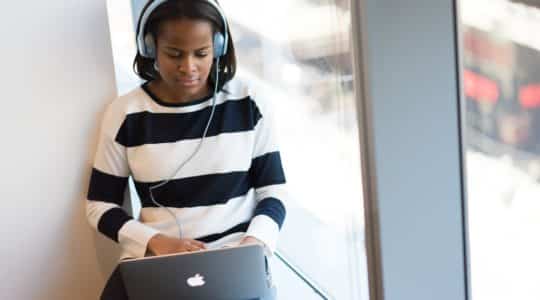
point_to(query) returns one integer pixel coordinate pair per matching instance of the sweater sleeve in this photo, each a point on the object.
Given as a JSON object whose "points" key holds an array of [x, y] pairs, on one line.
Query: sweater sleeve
{"points": [[106, 190], [268, 178]]}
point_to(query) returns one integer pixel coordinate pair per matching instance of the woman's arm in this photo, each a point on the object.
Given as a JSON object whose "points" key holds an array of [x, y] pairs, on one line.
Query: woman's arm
{"points": [[108, 183], [267, 175]]}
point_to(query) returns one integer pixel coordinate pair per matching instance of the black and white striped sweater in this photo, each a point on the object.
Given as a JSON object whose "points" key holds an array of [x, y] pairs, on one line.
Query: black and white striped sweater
{"points": [[233, 187]]}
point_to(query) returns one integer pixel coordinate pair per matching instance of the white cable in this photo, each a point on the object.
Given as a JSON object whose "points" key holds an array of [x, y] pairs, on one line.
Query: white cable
{"points": [[151, 188]]}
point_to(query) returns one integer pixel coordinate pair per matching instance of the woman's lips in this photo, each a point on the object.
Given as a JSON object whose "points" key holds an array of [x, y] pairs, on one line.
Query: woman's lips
{"points": [[188, 81]]}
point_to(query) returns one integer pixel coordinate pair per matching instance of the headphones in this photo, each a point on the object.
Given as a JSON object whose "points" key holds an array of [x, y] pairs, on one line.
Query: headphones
{"points": [[147, 45]]}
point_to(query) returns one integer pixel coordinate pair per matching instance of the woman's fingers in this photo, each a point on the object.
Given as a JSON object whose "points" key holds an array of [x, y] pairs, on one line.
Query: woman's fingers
{"points": [[192, 245], [163, 245], [199, 244]]}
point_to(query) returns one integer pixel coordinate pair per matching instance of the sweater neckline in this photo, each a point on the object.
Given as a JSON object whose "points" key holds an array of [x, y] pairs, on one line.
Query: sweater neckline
{"points": [[156, 99]]}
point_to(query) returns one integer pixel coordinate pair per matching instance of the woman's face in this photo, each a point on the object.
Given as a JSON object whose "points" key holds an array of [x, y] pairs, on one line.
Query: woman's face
{"points": [[184, 58]]}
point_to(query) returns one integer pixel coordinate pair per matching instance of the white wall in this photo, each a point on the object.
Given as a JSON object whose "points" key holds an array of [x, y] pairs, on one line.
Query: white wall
{"points": [[57, 75]]}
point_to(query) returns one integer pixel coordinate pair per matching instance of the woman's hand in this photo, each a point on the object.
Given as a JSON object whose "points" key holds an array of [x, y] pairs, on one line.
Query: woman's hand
{"points": [[161, 245], [249, 240]]}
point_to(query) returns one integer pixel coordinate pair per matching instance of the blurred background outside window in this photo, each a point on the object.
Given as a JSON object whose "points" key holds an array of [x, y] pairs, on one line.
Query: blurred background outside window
{"points": [[501, 81]]}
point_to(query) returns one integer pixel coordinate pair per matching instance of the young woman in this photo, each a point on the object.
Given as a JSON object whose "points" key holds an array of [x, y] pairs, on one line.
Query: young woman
{"points": [[199, 145]]}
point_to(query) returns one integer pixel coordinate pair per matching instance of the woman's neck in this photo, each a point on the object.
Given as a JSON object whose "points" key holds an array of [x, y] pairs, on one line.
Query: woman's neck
{"points": [[174, 96]]}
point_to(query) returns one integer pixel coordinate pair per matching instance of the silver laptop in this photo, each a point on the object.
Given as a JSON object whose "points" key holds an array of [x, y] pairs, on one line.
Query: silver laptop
{"points": [[237, 273]]}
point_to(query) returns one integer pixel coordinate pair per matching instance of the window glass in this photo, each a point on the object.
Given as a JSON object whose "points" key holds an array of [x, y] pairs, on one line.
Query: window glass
{"points": [[501, 85], [299, 53]]}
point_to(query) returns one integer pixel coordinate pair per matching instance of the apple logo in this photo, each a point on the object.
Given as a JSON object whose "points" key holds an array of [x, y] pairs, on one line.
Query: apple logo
{"points": [[196, 280]]}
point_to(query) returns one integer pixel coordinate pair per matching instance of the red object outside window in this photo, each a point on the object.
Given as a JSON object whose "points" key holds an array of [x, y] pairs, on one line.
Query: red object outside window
{"points": [[529, 96], [480, 88]]}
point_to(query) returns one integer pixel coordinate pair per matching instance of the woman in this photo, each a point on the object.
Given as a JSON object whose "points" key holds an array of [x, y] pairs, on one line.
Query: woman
{"points": [[199, 145]]}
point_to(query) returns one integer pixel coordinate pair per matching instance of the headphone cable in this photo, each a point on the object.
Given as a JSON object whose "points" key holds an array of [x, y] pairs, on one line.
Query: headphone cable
{"points": [[151, 188]]}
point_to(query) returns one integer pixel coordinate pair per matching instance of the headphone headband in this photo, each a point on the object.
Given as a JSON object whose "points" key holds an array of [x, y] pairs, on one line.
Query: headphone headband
{"points": [[148, 51]]}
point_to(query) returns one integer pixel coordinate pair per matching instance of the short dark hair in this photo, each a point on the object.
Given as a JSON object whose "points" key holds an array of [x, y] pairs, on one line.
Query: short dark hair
{"points": [[186, 9]]}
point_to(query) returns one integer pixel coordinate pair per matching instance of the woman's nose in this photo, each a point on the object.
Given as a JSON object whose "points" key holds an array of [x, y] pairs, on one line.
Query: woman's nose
{"points": [[187, 64]]}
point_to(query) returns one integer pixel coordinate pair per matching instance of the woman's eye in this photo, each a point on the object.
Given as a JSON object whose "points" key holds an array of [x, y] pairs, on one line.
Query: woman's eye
{"points": [[178, 55]]}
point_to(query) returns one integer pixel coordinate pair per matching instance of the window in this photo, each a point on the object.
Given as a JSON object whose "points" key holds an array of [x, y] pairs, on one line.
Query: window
{"points": [[307, 76]]}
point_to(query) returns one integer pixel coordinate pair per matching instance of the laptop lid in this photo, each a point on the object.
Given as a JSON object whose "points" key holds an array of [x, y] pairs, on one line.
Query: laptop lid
{"points": [[237, 273]]}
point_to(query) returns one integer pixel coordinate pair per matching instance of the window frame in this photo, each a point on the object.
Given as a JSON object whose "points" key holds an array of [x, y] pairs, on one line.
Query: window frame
{"points": [[417, 249]]}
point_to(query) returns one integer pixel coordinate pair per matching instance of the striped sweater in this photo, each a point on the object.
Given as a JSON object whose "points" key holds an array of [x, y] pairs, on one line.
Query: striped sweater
{"points": [[233, 187]]}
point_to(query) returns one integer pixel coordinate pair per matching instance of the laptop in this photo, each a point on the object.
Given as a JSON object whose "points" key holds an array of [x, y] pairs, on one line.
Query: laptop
{"points": [[236, 273]]}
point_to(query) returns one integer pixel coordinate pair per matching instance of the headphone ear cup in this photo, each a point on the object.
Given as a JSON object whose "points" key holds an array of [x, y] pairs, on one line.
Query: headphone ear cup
{"points": [[149, 46], [219, 45]]}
